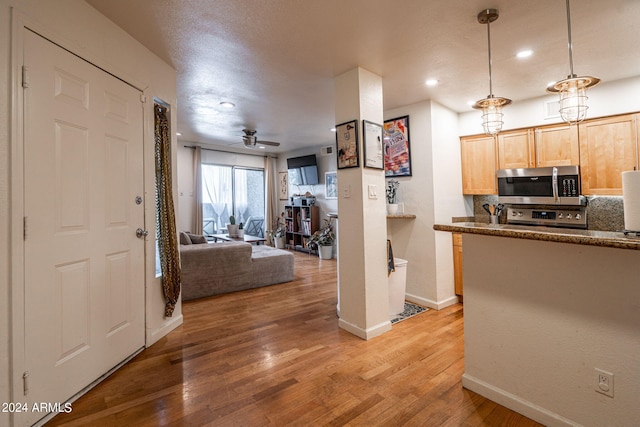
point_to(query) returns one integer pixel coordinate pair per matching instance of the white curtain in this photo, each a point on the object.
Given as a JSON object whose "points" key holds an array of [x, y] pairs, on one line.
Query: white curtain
{"points": [[197, 177], [270, 191], [217, 191]]}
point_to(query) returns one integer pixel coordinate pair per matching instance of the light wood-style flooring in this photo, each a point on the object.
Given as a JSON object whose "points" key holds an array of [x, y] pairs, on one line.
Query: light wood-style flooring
{"points": [[275, 356]]}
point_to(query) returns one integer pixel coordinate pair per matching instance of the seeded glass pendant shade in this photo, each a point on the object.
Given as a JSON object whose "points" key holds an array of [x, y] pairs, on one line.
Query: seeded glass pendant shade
{"points": [[491, 106], [573, 89]]}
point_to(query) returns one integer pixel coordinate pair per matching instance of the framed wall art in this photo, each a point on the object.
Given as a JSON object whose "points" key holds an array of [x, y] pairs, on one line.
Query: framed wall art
{"points": [[372, 143], [397, 154], [331, 185], [347, 145], [283, 185]]}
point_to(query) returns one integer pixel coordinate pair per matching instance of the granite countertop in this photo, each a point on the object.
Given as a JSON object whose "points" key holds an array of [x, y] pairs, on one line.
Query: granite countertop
{"points": [[612, 239]]}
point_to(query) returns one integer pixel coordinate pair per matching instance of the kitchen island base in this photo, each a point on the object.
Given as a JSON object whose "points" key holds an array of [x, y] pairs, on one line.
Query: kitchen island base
{"points": [[541, 316]]}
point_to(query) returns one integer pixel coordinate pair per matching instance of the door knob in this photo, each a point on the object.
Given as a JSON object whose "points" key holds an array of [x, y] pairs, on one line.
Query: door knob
{"points": [[140, 233]]}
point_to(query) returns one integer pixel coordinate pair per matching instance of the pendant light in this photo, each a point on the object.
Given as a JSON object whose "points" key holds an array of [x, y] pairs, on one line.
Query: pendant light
{"points": [[491, 106], [573, 89]]}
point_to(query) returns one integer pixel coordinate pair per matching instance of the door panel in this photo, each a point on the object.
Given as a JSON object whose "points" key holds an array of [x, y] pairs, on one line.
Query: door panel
{"points": [[84, 266]]}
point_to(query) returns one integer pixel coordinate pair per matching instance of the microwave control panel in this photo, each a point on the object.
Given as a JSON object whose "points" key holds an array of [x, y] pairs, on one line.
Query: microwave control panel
{"points": [[568, 218], [568, 186]]}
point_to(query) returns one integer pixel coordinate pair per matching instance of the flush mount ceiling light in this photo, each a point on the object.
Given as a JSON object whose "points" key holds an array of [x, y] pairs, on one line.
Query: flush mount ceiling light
{"points": [[227, 104], [491, 106], [573, 89]]}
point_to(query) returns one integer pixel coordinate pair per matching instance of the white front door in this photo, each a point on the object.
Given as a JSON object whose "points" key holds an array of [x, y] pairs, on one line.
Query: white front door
{"points": [[84, 265]]}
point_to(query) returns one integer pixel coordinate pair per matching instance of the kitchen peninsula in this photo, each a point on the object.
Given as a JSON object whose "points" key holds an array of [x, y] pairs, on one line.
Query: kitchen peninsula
{"points": [[544, 308]]}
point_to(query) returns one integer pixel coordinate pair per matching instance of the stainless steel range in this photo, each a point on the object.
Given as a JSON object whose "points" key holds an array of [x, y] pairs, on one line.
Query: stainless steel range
{"points": [[567, 217]]}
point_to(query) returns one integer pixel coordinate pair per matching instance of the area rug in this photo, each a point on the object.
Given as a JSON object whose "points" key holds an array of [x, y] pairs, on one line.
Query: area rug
{"points": [[410, 310]]}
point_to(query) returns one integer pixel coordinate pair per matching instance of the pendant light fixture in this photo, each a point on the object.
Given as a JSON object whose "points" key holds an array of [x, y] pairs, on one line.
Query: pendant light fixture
{"points": [[573, 89], [491, 106]]}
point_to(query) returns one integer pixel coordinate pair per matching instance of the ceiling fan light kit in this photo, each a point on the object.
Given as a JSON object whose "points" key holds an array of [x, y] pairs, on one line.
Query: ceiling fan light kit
{"points": [[251, 141], [573, 89], [491, 106]]}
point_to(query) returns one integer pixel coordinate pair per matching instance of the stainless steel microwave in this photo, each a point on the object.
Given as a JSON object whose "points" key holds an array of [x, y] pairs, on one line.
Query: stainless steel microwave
{"points": [[558, 185]]}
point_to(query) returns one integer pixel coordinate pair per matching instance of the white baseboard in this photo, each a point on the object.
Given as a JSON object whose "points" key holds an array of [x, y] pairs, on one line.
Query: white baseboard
{"points": [[437, 305], [365, 334], [516, 403], [155, 335]]}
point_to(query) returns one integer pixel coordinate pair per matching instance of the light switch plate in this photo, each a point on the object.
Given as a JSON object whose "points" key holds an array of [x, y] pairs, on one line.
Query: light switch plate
{"points": [[346, 191], [373, 192]]}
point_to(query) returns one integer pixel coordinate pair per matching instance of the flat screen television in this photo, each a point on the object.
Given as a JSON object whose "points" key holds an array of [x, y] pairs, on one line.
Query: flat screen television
{"points": [[303, 170]]}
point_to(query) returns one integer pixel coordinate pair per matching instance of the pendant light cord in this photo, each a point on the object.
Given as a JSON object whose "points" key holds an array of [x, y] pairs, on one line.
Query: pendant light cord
{"points": [[489, 45], [570, 44]]}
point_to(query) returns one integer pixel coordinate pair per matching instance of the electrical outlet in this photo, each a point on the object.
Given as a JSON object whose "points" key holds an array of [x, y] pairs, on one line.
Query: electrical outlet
{"points": [[604, 382]]}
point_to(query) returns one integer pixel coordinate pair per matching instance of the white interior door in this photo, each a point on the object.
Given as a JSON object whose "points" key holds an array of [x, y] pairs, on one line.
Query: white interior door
{"points": [[84, 265]]}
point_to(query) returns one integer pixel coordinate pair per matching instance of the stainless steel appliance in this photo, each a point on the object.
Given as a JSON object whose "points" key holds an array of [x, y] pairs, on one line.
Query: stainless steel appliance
{"points": [[558, 185], [569, 217]]}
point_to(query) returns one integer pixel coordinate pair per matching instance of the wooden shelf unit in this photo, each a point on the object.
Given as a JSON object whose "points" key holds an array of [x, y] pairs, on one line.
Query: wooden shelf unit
{"points": [[301, 222]]}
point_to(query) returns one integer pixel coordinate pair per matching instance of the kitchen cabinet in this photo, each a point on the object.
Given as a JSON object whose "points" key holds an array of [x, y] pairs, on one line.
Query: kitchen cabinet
{"points": [[553, 145], [557, 145], [457, 264], [608, 147], [479, 164], [516, 149]]}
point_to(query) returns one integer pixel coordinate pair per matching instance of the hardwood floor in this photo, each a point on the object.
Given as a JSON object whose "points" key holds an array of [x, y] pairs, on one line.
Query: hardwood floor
{"points": [[275, 356]]}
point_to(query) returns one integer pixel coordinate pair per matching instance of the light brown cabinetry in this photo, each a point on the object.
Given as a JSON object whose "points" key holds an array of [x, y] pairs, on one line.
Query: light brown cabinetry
{"points": [[608, 147], [554, 145], [516, 149], [557, 145], [479, 164], [457, 263]]}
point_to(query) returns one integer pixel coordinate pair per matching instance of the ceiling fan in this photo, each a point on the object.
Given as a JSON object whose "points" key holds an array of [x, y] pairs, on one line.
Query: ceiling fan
{"points": [[250, 140]]}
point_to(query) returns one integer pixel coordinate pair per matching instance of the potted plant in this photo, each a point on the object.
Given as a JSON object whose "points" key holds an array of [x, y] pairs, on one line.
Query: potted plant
{"points": [[241, 230], [391, 191], [323, 239], [277, 232], [232, 227]]}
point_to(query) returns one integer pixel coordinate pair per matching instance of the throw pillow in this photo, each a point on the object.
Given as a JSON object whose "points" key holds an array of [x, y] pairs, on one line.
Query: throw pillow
{"points": [[197, 239], [184, 238]]}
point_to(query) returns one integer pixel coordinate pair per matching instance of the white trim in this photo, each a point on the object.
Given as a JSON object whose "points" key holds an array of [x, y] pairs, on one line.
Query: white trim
{"points": [[437, 305], [365, 334], [152, 336], [516, 403]]}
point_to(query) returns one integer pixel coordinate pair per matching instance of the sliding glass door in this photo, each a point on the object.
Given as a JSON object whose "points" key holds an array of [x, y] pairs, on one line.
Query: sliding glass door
{"points": [[236, 191]]}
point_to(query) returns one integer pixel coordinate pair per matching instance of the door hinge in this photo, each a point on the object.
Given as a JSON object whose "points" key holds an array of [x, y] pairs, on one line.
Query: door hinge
{"points": [[25, 77], [25, 382], [143, 98], [24, 228]]}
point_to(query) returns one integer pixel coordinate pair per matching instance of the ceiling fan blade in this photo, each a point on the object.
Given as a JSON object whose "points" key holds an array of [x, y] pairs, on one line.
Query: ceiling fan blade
{"points": [[274, 144]]}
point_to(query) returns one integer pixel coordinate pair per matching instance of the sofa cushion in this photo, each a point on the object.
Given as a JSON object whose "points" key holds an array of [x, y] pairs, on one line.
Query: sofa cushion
{"points": [[197, 239], [184, 238]]}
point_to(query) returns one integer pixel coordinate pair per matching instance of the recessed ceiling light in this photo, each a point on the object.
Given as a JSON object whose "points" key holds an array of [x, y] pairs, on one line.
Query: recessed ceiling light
{"points": [[524, 53], [470, 103], [262, 147], [333, 129], [178, 134], [431, 82], [226, 104]]}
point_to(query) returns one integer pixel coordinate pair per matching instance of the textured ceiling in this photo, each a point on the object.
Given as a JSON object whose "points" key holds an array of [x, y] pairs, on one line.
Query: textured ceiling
{"points": [[276, 59]]}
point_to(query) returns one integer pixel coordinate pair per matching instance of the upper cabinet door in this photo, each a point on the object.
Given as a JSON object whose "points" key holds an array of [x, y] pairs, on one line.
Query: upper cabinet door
{"points": [[479, 161], [515, 149], [608, 147], [557, 145]]}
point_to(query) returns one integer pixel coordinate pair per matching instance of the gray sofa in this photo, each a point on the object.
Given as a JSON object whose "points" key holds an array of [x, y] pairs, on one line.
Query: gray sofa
{"points": [[216, 268]]}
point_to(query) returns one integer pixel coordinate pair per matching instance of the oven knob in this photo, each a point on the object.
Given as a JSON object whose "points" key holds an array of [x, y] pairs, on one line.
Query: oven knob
{"points": [[568, 216], [519, 213], [578, 216], [514, 213], [560, 215]]}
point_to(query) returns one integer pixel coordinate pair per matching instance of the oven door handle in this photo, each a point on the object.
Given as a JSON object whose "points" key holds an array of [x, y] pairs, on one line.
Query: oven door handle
{"points": [[555, 184]]}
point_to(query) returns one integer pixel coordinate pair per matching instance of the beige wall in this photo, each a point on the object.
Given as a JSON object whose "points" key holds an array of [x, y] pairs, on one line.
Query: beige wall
{"points": [[434, 194], [80, 28], [535, 331]]}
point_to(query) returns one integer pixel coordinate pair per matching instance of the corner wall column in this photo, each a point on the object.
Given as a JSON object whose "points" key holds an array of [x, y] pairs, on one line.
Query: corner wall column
{"points": [[362, 242]]}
